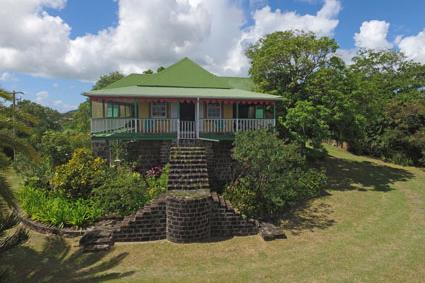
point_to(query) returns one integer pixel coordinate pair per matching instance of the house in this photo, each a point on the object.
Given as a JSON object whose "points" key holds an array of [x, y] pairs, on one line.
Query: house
{"points": [[183, 102]]}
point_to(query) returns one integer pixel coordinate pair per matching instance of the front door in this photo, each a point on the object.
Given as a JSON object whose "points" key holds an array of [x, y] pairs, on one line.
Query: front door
{"points": [[187, 121], [187, 111]]}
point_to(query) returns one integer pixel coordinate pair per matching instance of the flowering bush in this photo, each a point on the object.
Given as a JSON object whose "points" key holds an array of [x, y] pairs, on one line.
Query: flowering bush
{"points": [[80, 175]]}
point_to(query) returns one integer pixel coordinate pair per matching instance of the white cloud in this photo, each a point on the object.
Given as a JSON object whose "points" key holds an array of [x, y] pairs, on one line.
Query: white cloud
{"points": [[148, 34], [373, 35], [413, 46], [42, 97], [347, 55], [6, 76], [323, 23]]}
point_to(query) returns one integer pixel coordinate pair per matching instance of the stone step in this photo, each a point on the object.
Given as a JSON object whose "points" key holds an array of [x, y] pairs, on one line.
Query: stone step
{"points": [[187, 187], [203, 178], [174, 157], [188, 169], [190, 184], [187, 147], [189, 161], [172, 151], [270, 232]]}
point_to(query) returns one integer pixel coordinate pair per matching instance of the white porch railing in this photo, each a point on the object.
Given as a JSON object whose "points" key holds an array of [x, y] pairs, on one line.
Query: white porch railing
{"points": [[233, 125], [182, 129], [187, 130], [143, 126]]}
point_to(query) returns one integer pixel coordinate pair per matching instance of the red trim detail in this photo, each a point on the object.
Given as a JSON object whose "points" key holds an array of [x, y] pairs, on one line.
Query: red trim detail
{"points": [[182, 100]]}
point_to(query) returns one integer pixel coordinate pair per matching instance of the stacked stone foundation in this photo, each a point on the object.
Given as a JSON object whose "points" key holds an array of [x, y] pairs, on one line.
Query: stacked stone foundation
{"points": [[185, 217]]}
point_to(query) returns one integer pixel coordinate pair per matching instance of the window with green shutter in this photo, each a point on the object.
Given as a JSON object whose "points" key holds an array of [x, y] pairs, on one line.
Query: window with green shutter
{"points": [[112, 110]]}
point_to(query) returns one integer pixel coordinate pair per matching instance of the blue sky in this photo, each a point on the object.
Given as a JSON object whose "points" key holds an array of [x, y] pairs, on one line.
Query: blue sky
{"points": [[67, 34]]}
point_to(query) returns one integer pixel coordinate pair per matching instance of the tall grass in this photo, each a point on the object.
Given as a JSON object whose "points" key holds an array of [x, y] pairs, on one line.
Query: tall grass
{"points": [[55, 209]]}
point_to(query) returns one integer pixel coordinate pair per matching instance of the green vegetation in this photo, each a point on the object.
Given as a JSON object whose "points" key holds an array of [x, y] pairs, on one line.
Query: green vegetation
{"points": [[80, 174], [85, 188], [376, 105], [370, 227], [273, 175], [58, 210]]}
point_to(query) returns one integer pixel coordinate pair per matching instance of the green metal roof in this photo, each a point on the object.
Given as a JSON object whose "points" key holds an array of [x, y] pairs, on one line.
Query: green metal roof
{"points": [[180, 80], [240, 83], [130, 80], [180, 92], [184, 73]]}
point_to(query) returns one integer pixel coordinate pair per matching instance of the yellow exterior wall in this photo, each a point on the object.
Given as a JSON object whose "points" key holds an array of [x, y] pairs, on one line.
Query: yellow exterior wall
{"points": [[144, 110], [227, 111], [96, 109]]}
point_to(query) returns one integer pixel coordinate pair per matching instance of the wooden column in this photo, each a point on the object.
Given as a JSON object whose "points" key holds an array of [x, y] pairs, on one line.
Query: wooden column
{"points": [[237, 116], [197, 118]]}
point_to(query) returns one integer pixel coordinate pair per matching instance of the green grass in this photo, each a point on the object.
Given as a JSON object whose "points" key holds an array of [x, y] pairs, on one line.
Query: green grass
{"points": [[370, 227]]}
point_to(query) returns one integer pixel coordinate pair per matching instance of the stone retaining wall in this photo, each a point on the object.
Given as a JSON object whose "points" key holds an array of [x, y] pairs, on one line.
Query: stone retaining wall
{"points": [[183, 218], [226, 222], [148, 224], [188, 217]]}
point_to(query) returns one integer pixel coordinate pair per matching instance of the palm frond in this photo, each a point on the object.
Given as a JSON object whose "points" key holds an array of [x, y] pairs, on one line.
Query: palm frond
{"points": [[5, 95], [20, 236]]}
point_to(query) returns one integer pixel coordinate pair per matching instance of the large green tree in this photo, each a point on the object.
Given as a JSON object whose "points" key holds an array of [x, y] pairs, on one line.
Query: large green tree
{"points": [[390, 92], [313, 83]]}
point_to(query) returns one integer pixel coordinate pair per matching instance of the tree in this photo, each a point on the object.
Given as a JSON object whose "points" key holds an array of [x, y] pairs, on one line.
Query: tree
{"points": [[107, 79], [80, 119], [282, 62], [272, 176], [148, 72], [389, 91], [312, 81], [12, 131], [160, 69], [47, 118]]}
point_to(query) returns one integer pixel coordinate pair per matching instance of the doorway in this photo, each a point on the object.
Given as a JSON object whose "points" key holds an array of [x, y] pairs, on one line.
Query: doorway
{"points": [[187, 111]]}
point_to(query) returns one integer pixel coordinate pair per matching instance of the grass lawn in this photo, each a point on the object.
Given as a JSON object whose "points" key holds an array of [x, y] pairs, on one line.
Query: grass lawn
{"points": [[369, 228]]}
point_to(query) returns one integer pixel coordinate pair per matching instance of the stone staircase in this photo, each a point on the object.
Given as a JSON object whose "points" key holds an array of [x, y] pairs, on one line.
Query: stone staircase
{"points": [[188, 168], [100, 237]]}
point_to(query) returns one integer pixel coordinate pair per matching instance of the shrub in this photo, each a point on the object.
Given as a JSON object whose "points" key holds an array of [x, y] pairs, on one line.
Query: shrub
{"points": [[56, 209], [273, 175], [59, 146], [80, 175], [123, 193], [35, 174], [157, 181]]}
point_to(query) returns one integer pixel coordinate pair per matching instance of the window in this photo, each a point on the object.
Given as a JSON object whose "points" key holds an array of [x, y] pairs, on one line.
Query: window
{"points": [[214, 111], [159, 110], [112, 110], [259, 112]]}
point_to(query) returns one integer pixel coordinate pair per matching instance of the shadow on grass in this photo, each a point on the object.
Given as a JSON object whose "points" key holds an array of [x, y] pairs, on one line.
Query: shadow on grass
{"points": [[308, 217], [346, 174], [56, 263], [343, 175], [6, 195]]}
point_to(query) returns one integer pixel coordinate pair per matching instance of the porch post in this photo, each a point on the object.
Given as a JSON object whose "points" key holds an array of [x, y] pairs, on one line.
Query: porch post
{"points": [[237, 116], [197, 118], [274, 114]]}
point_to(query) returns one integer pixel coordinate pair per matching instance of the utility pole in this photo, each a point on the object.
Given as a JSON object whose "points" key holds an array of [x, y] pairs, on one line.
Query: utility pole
{"points": [[14, 93]]}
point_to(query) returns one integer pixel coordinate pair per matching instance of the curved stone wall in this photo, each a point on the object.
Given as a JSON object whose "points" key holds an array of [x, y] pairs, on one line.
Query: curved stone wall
{"points": [[188, 216]]}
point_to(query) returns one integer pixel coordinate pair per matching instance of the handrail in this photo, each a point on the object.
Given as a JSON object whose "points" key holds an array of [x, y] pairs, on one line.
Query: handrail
{"points": [[183, 129], [131, 125]]}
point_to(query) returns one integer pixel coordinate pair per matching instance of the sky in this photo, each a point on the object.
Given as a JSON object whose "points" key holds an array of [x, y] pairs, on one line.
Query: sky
{"points": [[54, 50]]}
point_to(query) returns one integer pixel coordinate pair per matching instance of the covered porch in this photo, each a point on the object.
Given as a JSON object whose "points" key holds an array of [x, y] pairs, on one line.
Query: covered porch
{"points": [[175, 119]]}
